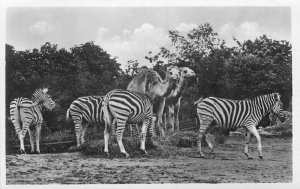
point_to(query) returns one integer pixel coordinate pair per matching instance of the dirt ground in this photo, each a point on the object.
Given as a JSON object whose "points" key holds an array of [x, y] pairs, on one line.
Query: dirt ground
{"points": [[227, 165]]}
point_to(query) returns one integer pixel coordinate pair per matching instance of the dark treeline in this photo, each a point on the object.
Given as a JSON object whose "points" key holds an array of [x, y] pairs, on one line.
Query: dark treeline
{"points": [[248, 69]]}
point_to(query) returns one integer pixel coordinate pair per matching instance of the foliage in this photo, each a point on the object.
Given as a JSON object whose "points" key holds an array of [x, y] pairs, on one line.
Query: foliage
{"points": [[248, 69], [86, 70]]}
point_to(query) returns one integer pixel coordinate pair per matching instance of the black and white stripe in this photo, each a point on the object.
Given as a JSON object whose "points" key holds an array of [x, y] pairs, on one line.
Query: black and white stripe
{"points": [[25, 112], [231, 114], [85, 111], [125, 106]]}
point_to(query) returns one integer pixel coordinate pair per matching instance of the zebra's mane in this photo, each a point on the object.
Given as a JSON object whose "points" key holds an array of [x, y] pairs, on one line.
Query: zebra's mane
{"points": [[270, 95]]}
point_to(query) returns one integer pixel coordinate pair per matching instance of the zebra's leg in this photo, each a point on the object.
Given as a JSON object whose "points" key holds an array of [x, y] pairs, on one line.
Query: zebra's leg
{"points": [[37, 137], [78, 129], [204, 124], [26, 123], [84, 127], [145, 126], [247, 140], [209, 143], [254, 131], [31, 133], [106, 138], [208, 137], [113, 127], [135, 133], [149, 134], [120, 129], [108, 122]]}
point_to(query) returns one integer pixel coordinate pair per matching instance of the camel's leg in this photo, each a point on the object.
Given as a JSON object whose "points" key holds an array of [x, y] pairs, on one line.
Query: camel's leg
{"points": [[159, 121], [176, 116], [170, 118]]}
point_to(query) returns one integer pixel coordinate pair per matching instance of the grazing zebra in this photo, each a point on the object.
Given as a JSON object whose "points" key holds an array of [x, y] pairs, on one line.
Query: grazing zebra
{"points": [[84, 111], [125, 106], [231, 114], [29, 113]]}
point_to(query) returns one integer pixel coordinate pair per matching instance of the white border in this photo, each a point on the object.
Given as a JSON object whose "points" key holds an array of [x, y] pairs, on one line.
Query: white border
{"points": [[153, 3]]}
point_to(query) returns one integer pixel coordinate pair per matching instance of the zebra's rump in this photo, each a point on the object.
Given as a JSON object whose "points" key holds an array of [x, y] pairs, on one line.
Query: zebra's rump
{"points": [[129, 105], [89, 108]]}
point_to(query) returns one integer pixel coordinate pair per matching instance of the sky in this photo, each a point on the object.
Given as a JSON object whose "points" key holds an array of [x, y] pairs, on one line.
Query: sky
{"points": [[129, 33]]}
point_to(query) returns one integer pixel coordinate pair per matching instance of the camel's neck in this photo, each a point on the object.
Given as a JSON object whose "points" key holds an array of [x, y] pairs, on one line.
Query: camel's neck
{"points": [[180, 87], [164, 89]]}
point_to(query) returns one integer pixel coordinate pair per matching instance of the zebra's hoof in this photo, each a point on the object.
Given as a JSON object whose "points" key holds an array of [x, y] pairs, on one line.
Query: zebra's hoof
{"points": [[249, 157], [107, 154], [144, 152], [22, 151], [201, 155], [260, 157], [126, 155]]}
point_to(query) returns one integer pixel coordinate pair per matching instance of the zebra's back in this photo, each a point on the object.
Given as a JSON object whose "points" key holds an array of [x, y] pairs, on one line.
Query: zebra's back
{"points": [[89, 108], [227, 113]]}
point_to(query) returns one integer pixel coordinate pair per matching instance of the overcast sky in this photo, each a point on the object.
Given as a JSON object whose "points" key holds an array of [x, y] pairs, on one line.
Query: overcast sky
{"points": [[129, 33]]}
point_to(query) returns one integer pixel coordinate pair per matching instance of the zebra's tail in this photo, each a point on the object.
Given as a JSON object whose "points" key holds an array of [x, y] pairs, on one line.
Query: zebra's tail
{"points": [[15, 115], [198, 101], [106, 114], [68, 116]]}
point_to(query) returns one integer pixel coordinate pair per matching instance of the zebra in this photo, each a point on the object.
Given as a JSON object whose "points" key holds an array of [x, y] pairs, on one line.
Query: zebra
{"points": [[26, 112], [231, 114], [127, 107], [84, 111]]}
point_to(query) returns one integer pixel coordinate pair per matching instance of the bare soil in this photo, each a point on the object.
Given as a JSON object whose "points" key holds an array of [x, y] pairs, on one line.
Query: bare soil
{"points": [[227, 165]]}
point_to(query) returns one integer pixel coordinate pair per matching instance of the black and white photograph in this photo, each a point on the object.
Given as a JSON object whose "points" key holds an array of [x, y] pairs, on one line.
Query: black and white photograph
{"points": [[158, 93]]}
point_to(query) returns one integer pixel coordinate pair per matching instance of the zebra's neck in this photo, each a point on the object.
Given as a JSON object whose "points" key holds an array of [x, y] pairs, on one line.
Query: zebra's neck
{"points": [[264, 104]]}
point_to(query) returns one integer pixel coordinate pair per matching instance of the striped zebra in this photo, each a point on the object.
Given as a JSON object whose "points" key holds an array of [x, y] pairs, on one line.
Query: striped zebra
{"points": [[231, 114], [125, 106], [85, 111], [25, 113]]}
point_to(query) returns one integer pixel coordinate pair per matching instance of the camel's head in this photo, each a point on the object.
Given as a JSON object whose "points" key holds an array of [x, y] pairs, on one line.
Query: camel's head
{"points": [[186, 72], [173, 72]]}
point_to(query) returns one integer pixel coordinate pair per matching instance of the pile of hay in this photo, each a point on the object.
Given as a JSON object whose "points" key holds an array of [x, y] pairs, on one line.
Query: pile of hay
{"points": [[189, 138], [157, 149], [284, 129], [183, 139]]}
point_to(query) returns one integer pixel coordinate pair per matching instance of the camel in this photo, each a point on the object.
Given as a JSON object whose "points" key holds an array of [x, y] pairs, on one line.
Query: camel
{"points": [[148, 82], [172, 104]]}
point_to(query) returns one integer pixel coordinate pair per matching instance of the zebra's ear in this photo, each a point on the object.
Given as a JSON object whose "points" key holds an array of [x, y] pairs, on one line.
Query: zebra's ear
{"points": [[277, 96], [45, 90]]}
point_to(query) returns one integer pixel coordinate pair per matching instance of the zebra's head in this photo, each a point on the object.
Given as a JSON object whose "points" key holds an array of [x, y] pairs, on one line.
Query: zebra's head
{"points": [[277, 108], [44, 98]]}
